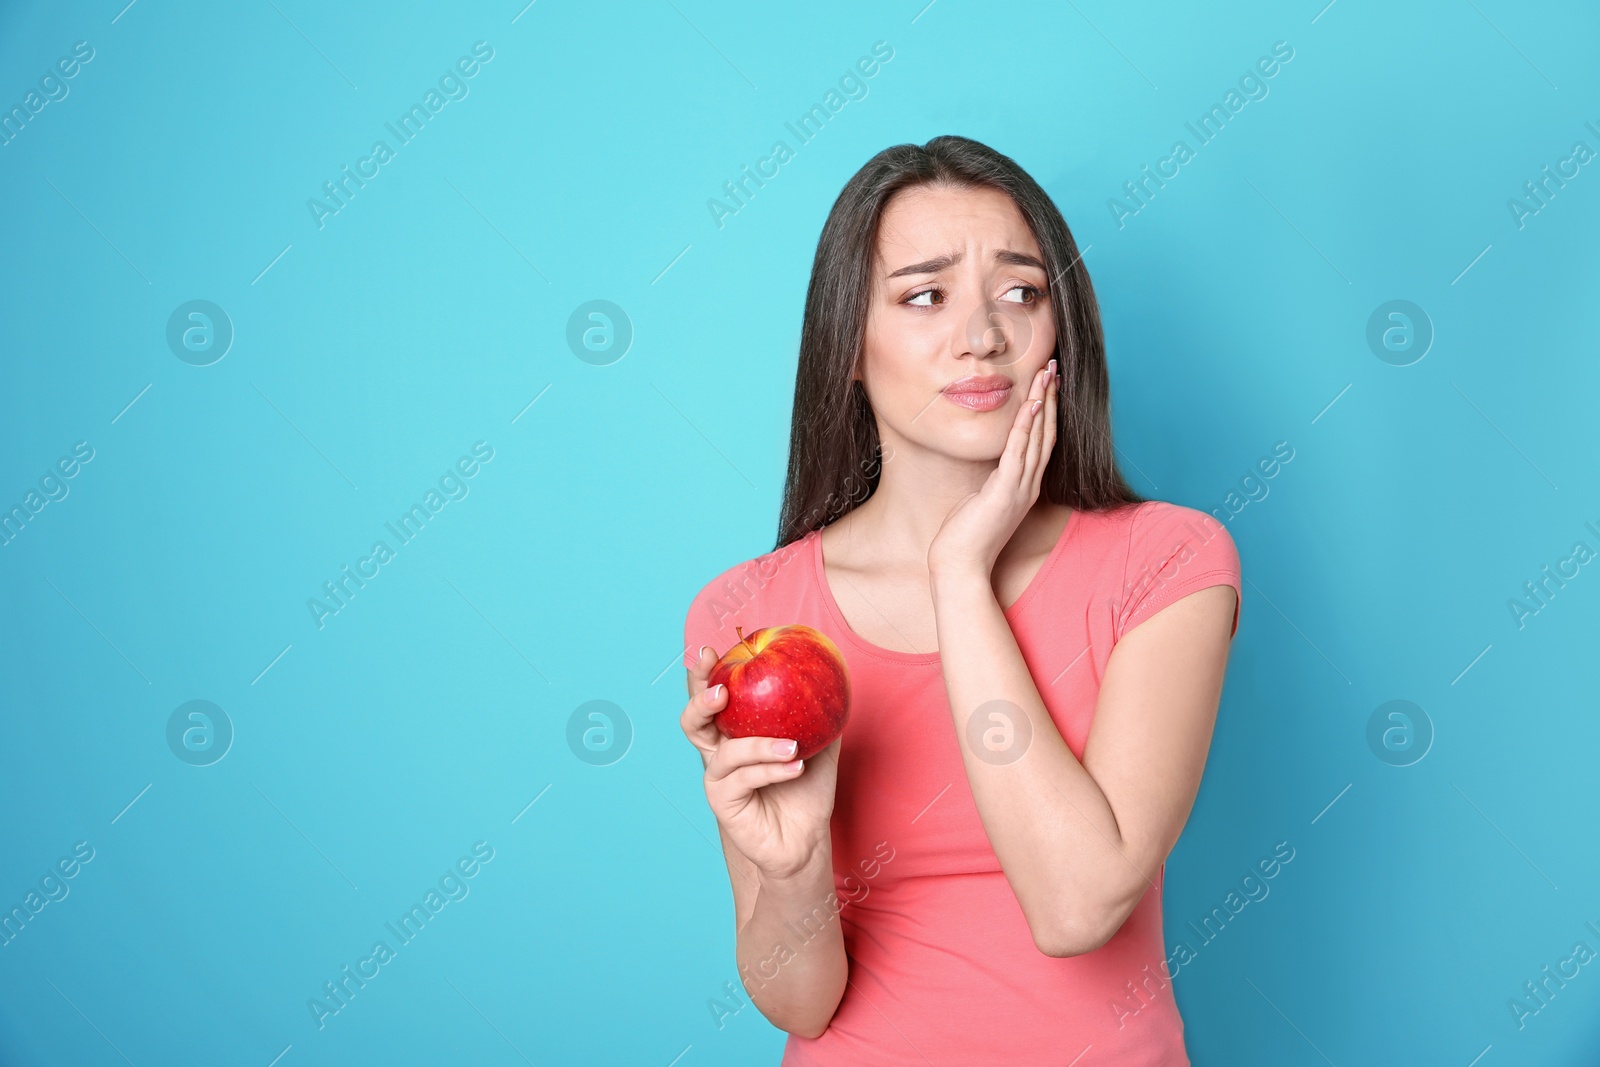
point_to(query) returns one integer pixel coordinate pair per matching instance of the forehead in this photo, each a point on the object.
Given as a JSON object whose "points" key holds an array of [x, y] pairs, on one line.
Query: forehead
{"points": [[933, 220]]}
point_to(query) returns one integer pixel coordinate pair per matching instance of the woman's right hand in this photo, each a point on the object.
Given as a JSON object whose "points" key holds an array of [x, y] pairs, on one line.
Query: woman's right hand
{"points": [[775, 812]]}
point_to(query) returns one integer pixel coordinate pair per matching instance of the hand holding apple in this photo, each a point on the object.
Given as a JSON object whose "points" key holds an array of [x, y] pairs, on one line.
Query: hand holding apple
{"points": [[773, 809]]}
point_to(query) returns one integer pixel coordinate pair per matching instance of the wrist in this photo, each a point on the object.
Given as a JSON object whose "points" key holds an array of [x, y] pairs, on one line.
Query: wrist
{"points": [[959, 579], [802, 878]]}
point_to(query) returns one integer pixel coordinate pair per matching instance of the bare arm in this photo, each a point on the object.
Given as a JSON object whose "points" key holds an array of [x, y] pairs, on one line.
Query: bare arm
{"points": [[796, 985], [743, 877], [791, 951], [1080, 843], [774, 823]]}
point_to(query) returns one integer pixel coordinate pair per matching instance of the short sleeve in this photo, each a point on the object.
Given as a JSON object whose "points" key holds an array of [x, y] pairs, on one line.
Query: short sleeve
{"points": [[714, 611], [1174, 551], [698, 627]]}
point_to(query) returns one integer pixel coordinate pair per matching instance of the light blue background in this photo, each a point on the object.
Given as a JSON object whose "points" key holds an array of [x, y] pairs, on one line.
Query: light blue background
{"points": [[430, 311]]}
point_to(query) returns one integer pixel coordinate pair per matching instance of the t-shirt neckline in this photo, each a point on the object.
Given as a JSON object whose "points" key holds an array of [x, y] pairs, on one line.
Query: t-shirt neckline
{"points": [[819, 575]]}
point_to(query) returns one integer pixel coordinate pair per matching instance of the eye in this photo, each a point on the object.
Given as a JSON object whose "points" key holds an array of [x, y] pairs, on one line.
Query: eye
{"points": [[1034, 295], [915, 299]]}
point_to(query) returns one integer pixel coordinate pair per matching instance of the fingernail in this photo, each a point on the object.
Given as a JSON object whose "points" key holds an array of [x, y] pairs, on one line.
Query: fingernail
{"points": [[797, 765], [704, 649], [1037, 404], [714, 693], [785, 748]]}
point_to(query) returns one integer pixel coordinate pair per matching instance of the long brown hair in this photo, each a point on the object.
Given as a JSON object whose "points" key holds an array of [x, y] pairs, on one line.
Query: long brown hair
{"points": [[834, 454]]}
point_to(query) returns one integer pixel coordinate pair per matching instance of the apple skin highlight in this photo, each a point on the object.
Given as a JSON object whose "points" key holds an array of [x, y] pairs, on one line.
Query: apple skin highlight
{"points": [[784, 681]]}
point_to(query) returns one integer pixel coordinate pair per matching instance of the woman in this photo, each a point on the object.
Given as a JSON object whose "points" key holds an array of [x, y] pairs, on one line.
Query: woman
{"points": [[972, 873]]}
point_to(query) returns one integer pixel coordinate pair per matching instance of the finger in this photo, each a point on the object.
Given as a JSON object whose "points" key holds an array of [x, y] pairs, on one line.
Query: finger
{"points": [[701, 709], [700, 669], [749, 778], [696, 720], [1016, 453], [1035, 436], [1013, 458], [736, 752], [1047, 440], [1037, 433], [1052, 404]]}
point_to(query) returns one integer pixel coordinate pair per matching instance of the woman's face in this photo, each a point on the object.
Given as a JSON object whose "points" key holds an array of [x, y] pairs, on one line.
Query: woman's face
{"points": [[958, 322]]}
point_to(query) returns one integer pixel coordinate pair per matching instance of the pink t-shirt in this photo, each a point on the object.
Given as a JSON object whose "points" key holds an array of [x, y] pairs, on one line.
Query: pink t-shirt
{"points": [[943, 968]]}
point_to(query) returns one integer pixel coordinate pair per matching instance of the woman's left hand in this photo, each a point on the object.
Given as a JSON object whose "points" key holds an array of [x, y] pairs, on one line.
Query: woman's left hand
{"points": [[979, 526]]}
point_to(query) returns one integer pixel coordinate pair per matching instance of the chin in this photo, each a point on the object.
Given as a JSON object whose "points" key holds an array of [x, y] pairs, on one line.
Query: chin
{"points": [[970, 443]]}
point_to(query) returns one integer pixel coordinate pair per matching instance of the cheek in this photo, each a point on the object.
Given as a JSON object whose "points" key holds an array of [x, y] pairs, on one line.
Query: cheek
{"points": [[1044, 339], [894, 403], [898, 377]]}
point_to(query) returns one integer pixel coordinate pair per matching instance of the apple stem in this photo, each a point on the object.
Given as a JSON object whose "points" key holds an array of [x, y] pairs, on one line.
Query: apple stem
{"points": [[740, 631]]}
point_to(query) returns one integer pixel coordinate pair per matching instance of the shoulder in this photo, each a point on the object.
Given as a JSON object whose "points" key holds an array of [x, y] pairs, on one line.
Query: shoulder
{"points": [[1162, 535], [1135, 533], [1156, 526], [752, 583], [1171, 551]]}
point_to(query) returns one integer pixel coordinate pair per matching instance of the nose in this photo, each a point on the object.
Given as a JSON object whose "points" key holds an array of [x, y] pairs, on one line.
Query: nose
{"points": [[997, 332]]}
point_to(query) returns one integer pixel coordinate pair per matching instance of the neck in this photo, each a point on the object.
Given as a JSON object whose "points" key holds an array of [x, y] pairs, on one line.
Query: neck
{"points": [[916, 492]]}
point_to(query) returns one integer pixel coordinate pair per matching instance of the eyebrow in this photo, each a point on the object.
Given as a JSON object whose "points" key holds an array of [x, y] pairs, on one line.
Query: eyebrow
{"points": [[939, 263]]}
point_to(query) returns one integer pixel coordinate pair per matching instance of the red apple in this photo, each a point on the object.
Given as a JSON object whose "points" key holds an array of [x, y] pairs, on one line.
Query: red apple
{"points": [[784, 681]]}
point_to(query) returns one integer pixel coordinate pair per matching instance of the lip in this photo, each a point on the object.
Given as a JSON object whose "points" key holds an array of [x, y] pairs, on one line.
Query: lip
{"points": [[979, 383], [979, 392]]}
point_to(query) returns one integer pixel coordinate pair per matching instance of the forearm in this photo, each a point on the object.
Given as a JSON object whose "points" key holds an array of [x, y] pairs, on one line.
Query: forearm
{"points": [[791, 950], [743, 876], [742, 872], [1050, 824]]}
